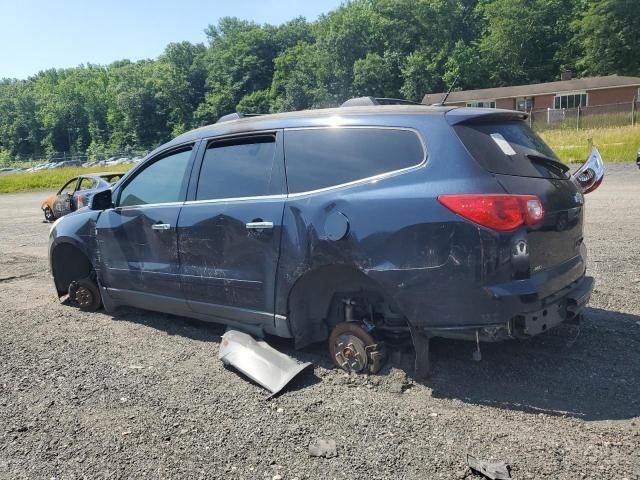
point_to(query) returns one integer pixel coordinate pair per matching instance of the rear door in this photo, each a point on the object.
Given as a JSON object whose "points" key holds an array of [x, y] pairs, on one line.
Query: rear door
{"points": [[230, 229], [524, 164]]}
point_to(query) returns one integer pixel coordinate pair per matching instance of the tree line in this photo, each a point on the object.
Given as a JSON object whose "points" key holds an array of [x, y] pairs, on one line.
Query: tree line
{"points": [[389, 48]]}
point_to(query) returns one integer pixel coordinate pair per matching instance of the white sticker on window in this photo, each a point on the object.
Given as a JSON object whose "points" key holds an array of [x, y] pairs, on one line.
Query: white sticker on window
{"points": [[503, 144]]}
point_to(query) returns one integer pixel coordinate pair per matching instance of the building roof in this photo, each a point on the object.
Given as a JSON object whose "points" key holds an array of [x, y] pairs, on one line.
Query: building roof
{"points": [[590, 83]]}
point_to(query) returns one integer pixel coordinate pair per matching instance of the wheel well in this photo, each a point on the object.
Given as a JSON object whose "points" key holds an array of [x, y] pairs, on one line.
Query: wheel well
{"points": [[69, 263], [312, 306]]}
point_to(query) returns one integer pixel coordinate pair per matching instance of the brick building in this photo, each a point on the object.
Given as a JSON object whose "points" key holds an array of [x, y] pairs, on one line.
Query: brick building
{"points": [[565, 94]]}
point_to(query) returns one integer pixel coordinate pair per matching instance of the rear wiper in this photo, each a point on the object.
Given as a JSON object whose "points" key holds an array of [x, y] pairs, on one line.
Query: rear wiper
{"points": [[549, 162]]}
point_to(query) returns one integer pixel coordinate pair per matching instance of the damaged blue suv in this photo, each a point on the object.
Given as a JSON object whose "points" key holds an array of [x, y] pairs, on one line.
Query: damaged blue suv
{"points": [[366, 226]]}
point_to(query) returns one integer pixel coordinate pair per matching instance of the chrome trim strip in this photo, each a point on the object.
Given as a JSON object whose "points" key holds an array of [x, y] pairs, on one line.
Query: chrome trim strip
{"points": [[149, 205], [236, 199], [380, 176]]}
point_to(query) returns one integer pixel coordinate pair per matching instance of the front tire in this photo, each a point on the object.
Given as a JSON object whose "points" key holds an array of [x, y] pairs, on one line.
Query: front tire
{"points": [[48, 214]]}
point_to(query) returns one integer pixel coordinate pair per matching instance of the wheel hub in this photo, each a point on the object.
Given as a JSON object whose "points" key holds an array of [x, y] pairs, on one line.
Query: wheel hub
{"points": [[83, 296], [354, 350], [351, 353]]}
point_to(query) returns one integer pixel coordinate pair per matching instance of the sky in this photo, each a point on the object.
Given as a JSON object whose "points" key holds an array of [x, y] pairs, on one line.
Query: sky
{"points": [[39, 34]]}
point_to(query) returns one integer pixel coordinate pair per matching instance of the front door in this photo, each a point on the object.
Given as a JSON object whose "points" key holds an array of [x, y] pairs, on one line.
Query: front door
{"points": [[137, 240], [229, 231]]}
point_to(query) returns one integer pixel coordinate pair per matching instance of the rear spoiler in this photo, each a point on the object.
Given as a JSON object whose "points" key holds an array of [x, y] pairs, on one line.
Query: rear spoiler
{"points": [[468, 115]]}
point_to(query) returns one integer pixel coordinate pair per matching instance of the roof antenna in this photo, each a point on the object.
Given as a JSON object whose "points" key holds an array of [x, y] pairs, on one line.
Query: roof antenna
{"points": [[446, 95]]}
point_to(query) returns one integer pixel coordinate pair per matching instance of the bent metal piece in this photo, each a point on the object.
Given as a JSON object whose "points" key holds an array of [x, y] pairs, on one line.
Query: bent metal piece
{"points": [[258, 361]]}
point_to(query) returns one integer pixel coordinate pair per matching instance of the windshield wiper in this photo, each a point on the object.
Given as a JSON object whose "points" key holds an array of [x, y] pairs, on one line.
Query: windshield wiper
{"points": [[549, 162]]}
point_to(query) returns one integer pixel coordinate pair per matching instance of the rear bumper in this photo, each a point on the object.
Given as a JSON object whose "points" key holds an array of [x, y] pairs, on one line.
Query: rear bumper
{"points": [[529, 318]]}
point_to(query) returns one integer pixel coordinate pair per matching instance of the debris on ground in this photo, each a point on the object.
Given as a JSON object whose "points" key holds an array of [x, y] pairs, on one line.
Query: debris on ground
{"points": [[257, 360], [323, 448], [494, 471]]}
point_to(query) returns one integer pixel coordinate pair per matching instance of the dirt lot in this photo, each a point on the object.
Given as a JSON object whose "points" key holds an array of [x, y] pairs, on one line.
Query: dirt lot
{"points": [[140, 394]]}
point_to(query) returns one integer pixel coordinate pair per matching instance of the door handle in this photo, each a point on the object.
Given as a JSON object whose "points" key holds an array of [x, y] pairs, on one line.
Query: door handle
{"points": [[259, 225], [160, 226]]}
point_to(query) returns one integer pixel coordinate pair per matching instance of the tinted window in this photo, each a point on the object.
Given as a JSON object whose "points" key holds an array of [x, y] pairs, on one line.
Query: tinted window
{"points": [[524, 146], [160, 182], [237, 168], [320, 158]]}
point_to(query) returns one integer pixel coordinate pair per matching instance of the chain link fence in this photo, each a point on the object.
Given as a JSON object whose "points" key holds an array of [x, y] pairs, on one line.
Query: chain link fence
{"points": [[597, 116]]}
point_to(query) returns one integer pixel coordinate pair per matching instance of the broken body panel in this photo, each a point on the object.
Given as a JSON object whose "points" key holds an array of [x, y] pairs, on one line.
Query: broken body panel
{"points": [[386, 234], [258, 361]]}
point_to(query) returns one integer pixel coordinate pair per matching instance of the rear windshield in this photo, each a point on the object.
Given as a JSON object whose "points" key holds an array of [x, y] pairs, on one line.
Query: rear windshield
{"points": [[510, 148]]}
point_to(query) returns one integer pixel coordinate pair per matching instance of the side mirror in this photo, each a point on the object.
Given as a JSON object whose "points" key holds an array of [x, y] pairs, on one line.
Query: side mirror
{"points": [[589, 176], [101, 200]]}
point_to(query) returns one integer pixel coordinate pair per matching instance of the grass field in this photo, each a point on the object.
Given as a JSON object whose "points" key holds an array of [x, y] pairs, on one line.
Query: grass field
{"points": [[49, 179], [616, 144]]}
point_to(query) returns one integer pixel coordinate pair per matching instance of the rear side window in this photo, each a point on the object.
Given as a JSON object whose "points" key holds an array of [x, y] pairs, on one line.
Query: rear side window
{"points": [[509, 148], [237, 168], [325, 157]]}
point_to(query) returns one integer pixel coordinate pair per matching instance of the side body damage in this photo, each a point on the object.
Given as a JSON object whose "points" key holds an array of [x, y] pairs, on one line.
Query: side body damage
{"points": [[381, 251]]}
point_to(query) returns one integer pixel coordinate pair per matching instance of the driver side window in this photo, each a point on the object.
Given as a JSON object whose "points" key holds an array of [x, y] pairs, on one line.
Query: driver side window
{"points": [[160, 182]]}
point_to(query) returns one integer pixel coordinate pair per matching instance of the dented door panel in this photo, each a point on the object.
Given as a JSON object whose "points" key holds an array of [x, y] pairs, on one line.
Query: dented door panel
{"points": [[224, 262], [135, 255]]}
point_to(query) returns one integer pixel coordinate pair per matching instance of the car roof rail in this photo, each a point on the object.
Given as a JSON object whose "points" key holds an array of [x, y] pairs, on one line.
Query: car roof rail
{"points": [[237, 116], [369, 101]]}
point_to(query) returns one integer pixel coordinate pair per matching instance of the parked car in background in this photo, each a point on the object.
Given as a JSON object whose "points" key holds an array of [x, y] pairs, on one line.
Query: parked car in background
{"points": [[76, 193], [363, 226]]}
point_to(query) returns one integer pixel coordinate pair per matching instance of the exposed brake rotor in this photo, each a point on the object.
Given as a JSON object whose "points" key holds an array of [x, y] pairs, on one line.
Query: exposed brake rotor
{"points": [[353, 349]]}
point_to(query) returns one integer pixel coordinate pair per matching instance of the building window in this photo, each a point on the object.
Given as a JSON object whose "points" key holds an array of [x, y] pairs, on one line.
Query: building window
{"points": [[524, 104], [570, 100], [482, 104]]}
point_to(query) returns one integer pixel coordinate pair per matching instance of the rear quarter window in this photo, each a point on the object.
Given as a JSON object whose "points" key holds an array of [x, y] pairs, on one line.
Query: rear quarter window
{"points": [[522, 142], [319, 158]]}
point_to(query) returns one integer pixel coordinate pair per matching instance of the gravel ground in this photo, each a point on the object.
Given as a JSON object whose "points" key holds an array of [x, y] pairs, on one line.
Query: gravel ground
{"points": [[88, 395]]}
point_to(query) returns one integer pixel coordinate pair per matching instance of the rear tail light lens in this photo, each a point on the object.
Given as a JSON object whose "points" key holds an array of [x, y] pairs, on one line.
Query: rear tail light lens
{"points": [[498, 212]]}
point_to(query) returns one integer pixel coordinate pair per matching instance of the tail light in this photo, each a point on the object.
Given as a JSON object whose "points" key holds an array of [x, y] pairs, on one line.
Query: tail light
{"points": [[498, 212]]}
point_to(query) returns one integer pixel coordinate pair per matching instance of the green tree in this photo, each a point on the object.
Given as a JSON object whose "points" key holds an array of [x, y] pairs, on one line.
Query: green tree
{"points": [[300, 79], [377, 76], [523, 38], [608, 35]]}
